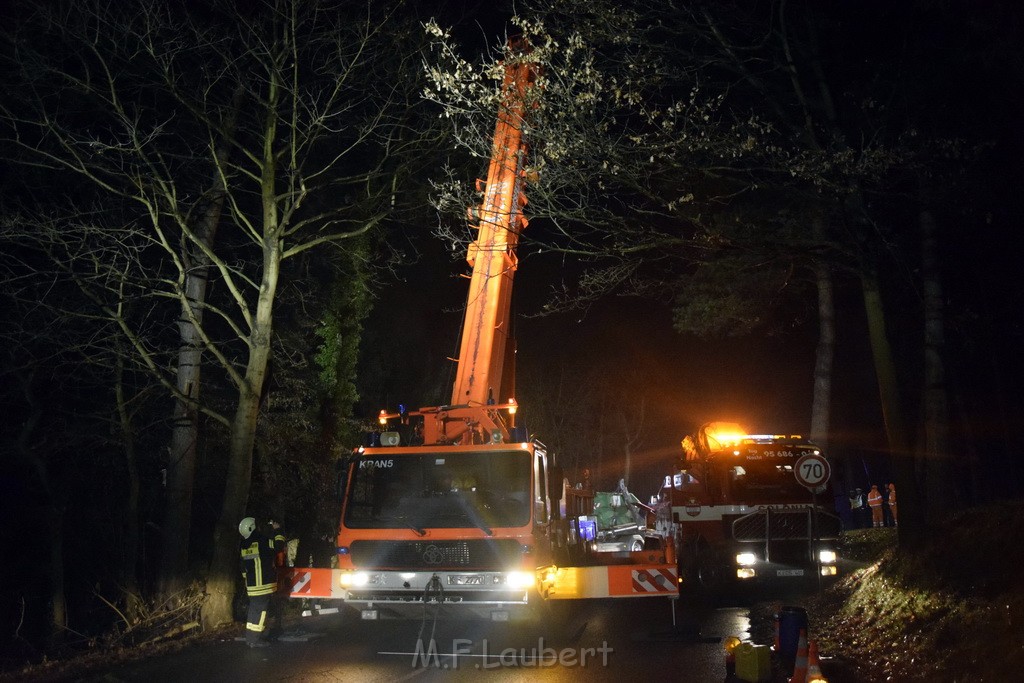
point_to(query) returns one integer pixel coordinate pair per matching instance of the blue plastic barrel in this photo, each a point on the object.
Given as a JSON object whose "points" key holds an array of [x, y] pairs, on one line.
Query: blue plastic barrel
{"points": [[791, 621]]}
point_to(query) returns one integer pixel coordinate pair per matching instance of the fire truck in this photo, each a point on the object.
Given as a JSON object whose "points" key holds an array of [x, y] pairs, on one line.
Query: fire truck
{"points": [[455, 506], [742, 512]]}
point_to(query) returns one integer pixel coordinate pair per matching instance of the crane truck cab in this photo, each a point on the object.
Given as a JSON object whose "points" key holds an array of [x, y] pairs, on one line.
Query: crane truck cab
{"points": [[453, 526]]}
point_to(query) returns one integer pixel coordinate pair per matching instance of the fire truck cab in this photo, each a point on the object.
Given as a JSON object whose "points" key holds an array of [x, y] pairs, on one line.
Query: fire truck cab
{"points": [[739, 514]]}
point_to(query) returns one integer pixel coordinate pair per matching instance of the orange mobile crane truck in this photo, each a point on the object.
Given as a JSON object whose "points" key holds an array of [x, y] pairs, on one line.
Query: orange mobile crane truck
{"points": [[454, 506], [744, 509]]}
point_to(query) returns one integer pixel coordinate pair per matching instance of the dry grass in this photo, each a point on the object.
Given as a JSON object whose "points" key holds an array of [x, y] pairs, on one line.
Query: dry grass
{"points": [[141, 629], [953, 612]]}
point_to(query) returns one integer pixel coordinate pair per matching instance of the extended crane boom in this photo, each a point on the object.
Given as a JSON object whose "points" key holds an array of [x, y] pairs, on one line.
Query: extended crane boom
{"points": [[499, 222]]}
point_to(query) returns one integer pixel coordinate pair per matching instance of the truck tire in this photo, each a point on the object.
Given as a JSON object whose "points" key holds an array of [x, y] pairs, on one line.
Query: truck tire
{"points": [[700, 565], [709, 569], [700, 579]]}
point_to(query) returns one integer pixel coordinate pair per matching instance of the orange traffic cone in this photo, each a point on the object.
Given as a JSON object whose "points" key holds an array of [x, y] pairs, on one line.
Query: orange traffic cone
{"points": [[800, 669], [814, 674]]}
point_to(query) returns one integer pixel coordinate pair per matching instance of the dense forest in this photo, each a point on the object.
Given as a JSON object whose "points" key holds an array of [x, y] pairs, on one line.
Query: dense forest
{"points": [[230, 233]]}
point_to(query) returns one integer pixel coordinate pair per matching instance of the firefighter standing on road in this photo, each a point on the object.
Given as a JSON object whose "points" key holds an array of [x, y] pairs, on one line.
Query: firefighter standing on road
{"points": [[875, 503], [259, 569], [892, 504]]}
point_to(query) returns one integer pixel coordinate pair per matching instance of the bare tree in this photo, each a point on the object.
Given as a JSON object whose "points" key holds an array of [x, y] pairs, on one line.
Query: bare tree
{"points": [[300, 112]]}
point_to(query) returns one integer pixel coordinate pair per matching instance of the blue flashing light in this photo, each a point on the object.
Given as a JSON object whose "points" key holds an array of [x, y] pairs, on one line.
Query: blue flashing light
{"points": [[343, 550]]}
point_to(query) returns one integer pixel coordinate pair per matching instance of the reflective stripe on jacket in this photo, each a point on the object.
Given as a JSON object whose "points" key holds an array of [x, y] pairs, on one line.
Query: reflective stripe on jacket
{"points": [[258, 563], [875, 499]]}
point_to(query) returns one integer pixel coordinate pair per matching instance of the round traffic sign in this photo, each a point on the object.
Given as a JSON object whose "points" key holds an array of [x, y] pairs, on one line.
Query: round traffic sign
{"points": [[812, 470]]}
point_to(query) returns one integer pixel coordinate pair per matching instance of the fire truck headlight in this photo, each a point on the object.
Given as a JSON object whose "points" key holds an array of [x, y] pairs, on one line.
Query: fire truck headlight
{"points": [[827, 556], [746, 559], [519, 579]]}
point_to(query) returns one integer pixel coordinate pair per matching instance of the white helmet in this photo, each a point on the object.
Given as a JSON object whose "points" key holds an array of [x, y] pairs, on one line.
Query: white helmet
{"points": [[247, 526]]}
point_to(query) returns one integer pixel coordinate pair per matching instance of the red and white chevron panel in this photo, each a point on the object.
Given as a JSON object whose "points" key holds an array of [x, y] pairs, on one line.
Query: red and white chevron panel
{"points": [[654, 580]]}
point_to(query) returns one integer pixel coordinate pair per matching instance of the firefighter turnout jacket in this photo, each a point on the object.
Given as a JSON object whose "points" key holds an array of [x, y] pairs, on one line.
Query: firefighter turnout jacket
{"points": [[259, 562]]}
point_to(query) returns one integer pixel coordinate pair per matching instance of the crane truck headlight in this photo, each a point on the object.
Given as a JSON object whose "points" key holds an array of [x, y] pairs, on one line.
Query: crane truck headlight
{"points": [[827, 556], [746, 559], [348, 579], [519, 579]]}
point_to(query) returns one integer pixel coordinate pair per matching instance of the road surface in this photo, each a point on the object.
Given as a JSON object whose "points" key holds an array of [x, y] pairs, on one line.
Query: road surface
{"points": [[601, 640]]}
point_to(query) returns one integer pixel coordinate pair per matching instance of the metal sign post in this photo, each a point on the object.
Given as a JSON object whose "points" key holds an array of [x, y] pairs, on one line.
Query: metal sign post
{"points": [[812, 471]]}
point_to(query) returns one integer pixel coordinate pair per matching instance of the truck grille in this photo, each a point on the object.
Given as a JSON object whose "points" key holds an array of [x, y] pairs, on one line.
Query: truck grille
{"points": [[470, 554], [784, 525]]}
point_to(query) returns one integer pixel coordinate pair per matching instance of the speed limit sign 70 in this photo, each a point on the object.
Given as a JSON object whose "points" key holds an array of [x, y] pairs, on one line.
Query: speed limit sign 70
{"points": [[812, 471]]}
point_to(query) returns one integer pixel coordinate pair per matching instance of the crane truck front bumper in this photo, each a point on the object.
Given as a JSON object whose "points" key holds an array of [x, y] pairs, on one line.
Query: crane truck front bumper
{"points": [[377, 594]]}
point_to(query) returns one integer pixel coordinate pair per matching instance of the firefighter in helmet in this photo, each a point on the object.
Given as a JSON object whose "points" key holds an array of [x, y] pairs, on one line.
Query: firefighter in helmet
{"points": [[259, 570]]}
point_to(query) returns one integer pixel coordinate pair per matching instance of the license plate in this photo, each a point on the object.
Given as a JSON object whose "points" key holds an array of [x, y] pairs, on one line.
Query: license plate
{"points": [[464, 580], [789, 572]]}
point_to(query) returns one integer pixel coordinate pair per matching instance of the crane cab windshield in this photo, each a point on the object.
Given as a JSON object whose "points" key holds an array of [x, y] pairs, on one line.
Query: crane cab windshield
{"points": [[442, 489]]}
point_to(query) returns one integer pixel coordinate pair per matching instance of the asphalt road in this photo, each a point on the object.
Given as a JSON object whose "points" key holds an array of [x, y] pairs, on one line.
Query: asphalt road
{"points": [[601, 640]]}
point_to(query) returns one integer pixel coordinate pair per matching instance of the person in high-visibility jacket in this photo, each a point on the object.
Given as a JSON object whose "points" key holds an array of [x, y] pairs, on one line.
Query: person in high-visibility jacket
{"points": [[875, 503], [892, 504], [259, 569]]}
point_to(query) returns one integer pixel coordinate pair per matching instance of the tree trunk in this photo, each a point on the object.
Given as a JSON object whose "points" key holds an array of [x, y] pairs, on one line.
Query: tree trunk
{"points": [[911, 530], [58, 599], [627, 465], [181, 464], [936, 451], [821, 403], [130, 558], [51, 512], [223, 574], [222, 577]]}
